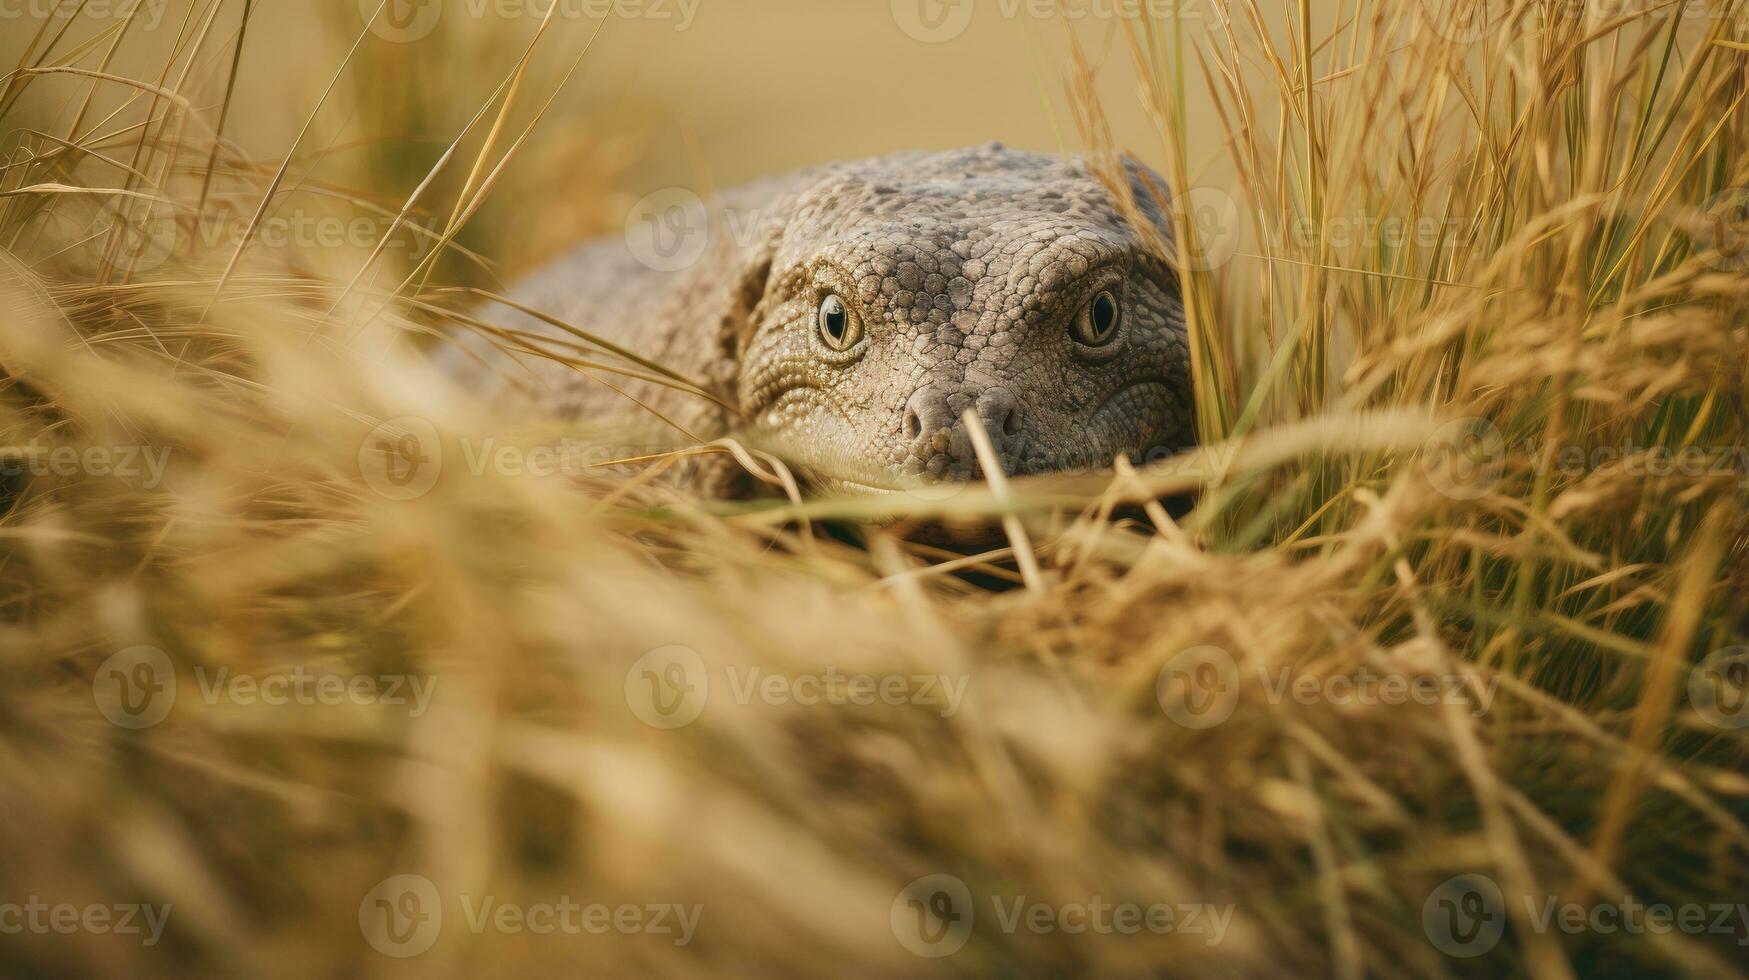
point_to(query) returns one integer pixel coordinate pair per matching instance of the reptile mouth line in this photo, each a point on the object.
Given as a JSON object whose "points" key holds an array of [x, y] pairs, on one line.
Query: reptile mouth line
{"points": [[838, 483], [1100, 409], [923, 488]]}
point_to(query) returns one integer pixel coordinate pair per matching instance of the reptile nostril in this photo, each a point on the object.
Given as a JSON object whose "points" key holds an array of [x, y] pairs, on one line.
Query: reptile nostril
{"points": [[1000, 412], [926, 414]]}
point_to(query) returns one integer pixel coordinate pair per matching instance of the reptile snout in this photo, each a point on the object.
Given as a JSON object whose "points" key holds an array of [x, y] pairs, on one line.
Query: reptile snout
{"points": [[935, 433]]}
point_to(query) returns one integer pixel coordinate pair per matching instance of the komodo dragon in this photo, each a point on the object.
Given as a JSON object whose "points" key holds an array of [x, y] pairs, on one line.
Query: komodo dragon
{"points": [[851, 314]]}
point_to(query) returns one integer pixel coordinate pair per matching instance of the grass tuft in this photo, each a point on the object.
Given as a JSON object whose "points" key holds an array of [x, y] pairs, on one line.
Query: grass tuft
{"points": [[1470, 330]]}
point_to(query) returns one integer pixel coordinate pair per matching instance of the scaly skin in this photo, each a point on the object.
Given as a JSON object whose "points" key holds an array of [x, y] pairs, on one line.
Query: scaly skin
{"points": [[968, 272]]}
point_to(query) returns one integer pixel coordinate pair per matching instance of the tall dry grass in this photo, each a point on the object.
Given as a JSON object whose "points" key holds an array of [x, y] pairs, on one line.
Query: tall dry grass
{"points": [[1469, 346]]}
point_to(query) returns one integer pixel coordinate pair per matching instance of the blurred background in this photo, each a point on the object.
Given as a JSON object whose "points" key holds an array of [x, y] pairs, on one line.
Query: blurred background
{"points": [[690, 93]]}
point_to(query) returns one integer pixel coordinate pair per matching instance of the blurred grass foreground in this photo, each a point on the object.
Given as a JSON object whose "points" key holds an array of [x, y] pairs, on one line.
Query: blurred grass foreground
{"points": [[312, 669]]}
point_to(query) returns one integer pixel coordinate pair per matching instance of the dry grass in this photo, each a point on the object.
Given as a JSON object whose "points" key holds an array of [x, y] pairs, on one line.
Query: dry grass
{"points": [[1580, 291]]}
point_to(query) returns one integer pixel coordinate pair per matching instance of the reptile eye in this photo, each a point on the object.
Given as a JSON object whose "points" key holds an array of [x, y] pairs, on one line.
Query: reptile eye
{"points": [[839, 328], [1098, 321]]}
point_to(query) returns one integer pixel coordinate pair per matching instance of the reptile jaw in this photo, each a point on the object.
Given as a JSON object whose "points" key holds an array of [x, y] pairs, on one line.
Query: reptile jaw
{"points": [[921, 489], [842, 484]]}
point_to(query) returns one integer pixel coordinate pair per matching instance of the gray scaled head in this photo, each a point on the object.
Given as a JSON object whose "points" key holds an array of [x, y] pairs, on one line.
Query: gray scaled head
{"points": [[905, 291]]}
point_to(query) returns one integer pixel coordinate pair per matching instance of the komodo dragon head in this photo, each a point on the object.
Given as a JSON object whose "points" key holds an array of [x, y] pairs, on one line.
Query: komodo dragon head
{"points": [[904, 291]]}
